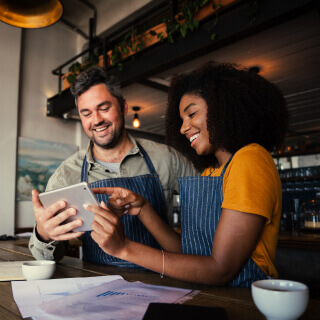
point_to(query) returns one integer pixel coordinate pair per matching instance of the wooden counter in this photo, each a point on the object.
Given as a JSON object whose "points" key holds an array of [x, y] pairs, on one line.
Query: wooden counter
{"points": [[298, 239], [237, 302]]}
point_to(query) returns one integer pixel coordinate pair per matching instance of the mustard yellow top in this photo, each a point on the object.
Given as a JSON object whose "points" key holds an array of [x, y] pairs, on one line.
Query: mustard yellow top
{"points": [[252, 184]]}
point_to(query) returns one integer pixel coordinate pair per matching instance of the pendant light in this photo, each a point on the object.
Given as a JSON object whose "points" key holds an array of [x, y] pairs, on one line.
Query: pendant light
{"points": [[30, 13], [136, 121]]}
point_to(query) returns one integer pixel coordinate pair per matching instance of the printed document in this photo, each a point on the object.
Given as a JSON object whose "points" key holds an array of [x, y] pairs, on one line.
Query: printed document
{"points": [[30, 295], [118, 300]]}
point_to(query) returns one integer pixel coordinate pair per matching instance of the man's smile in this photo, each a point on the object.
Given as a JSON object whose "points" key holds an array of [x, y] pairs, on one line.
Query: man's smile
{"points": [[101, 130]]}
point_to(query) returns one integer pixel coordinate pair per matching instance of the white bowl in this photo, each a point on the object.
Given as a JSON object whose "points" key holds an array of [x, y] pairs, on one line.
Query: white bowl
{"points": [[280, 299], [38, 270]]}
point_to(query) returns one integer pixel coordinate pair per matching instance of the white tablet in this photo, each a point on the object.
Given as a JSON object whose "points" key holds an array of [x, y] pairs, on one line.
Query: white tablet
{"points": [[75, 197]]}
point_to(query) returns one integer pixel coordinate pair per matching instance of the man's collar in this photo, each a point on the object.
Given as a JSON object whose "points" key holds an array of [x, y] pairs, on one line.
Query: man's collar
{"points": [[133, 150], [89, 152]]}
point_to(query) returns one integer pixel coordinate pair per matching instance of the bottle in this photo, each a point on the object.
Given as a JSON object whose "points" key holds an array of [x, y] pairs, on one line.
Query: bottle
{"points": [[176, 219], [295, 214], [311, 214]]}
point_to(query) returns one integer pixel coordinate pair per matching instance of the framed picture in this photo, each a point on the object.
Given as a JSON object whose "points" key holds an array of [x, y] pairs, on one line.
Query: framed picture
{"points": [[37, 161]]}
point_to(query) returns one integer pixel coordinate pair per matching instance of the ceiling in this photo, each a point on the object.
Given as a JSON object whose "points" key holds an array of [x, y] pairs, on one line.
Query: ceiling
{"points": [[287, 54]]}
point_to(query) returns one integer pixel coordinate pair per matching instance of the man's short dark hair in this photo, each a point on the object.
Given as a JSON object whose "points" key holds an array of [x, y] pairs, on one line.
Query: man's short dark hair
{"points": [[92, 77]]}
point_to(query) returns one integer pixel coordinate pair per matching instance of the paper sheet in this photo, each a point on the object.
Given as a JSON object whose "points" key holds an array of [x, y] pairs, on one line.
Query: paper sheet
{"points": [[29, 295], [24, 235], [119, 299], [11, 270]]}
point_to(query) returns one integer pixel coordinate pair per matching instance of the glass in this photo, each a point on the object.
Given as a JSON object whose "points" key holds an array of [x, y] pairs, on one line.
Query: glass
{"points": [[176, 213], [286, 221], [310, 212]]}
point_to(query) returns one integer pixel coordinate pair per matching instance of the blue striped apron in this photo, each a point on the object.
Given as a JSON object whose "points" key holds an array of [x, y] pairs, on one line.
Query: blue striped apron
{"points": [[200, 204], [150, 188]]}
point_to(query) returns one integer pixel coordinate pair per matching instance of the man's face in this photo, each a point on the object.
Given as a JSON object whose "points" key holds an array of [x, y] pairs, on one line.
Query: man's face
{"points": [[101, 116]]}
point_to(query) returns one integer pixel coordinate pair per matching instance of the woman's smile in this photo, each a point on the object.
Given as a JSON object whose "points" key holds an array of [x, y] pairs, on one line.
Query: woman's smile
{"points": [[193, 112]]}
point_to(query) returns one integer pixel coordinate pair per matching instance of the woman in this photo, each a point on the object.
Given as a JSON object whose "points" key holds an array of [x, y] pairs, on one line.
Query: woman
{"points": [[229, 118]]}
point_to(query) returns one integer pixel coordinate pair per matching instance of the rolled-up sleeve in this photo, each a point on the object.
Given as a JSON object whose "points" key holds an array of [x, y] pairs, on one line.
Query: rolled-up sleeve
{"points": [[53, 250]]}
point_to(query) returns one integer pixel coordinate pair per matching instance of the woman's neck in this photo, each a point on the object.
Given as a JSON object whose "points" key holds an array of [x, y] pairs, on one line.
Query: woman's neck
{"points": [[222, 156]]}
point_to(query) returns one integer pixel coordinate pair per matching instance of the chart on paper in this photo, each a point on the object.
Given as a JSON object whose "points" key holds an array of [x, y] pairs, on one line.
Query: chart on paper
{"points": [[29, 295], [120, 299]]}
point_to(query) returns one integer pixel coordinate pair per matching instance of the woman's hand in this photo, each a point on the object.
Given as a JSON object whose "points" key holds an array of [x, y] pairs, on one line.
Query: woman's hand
{"points": [[123, 201], [108, 230]]}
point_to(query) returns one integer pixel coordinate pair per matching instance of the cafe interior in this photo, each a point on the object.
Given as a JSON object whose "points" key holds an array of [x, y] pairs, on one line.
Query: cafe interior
{"points": [[135, 40]]}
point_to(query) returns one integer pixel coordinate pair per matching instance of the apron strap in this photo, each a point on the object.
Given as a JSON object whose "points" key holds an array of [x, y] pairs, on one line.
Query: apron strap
{"points": [[84, 170], [225, 167], [147, 160], [153, 172]]}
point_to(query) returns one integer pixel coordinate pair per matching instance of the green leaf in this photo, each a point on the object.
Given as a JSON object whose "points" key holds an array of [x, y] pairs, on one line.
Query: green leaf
{"points": [[213, 36], [71, 77], [195, 23], [183, 30], [153, 33], [75, 67]]}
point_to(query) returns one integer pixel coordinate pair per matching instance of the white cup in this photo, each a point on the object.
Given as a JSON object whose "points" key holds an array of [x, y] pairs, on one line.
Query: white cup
{"points": [[280, 299], [38, 270]]}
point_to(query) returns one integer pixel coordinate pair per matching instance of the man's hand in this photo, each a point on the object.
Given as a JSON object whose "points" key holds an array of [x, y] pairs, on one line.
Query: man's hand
{"points": [[123, 201], [49, 222], [108, 230]]}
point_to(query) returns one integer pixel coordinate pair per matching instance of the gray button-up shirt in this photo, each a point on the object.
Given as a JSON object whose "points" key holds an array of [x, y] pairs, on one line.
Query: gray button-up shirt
{"points": [[168, 163]]}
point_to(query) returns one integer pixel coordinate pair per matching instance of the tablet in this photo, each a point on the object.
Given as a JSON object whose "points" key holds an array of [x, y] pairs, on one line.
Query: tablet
{"points": [[75, 197]]}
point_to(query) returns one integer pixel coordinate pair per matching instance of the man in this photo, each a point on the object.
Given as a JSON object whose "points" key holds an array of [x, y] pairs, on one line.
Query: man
{"points": [[112, 158]]}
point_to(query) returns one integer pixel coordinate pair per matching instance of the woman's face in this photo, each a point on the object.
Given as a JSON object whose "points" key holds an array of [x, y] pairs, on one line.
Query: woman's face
{"points": [[193, 112]]}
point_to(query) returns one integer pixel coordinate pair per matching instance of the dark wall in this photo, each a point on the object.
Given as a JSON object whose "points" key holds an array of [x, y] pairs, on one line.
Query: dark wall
{"points": [[146, 135]]}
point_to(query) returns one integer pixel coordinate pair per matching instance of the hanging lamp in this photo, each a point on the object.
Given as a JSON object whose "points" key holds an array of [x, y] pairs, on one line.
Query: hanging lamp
{"points": [[136, 121], [30, 13]]}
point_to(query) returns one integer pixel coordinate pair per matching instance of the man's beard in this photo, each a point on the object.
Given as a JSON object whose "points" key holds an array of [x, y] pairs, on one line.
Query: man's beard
{"points": [[116, 138]]}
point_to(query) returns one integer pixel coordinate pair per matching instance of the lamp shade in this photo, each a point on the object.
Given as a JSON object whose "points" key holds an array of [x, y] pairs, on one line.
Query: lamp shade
{"points": [[30, 13]]}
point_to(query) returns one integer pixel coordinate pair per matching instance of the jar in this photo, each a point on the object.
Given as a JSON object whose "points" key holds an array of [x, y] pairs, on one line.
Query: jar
{"points": [[310, 214]]}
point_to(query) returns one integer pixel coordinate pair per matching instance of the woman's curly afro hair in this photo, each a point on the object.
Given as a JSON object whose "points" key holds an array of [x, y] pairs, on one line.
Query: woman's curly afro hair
{"points": [[243, 108]]}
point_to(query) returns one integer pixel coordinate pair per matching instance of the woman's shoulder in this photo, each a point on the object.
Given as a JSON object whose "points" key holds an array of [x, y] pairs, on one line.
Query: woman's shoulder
{"points": [[252, 148], [250, 157], [253, 162], [252, 153]]}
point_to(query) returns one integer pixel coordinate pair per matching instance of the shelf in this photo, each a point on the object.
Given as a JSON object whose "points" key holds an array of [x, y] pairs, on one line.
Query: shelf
{"points": [[298, 239], [296, 153]]}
